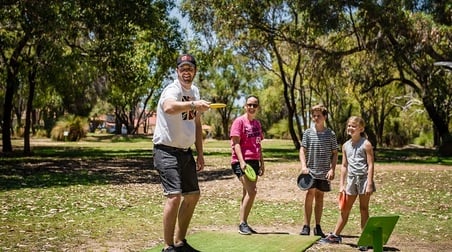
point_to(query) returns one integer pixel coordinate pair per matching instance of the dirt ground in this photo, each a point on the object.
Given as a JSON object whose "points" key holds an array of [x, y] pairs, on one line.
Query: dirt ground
{"points": [[277, 178]]}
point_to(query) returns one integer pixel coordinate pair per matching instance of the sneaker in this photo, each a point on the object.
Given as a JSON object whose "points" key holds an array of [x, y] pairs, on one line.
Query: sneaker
{"points": [[185, 247], [252, 230], [363, 248], [318, 231], [169, 249], [244, 229], [305, 230], [331, 238]]}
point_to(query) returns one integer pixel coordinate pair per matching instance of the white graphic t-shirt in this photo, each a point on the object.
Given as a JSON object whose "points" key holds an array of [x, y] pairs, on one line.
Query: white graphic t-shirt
{"points": [[176, 130]]}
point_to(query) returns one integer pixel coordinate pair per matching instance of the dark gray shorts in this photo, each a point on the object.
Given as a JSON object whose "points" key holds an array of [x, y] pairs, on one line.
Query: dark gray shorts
{"points": [[322, 185], [238, 171], [177, 170]]}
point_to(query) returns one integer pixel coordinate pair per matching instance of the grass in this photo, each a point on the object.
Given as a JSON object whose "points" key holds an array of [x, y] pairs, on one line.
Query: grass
{"points": [[102, 193]]}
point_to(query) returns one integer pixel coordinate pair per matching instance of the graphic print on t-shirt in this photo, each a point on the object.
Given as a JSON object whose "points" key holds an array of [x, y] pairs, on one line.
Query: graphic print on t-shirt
{"points": [[188, 115], [252, 131]]}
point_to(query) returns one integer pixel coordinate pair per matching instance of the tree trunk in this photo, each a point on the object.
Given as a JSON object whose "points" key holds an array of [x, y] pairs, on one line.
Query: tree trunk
{"points": [[11, 83], [439, 122], [225, 126], [29, 110], [33, 121], [287, 96]]}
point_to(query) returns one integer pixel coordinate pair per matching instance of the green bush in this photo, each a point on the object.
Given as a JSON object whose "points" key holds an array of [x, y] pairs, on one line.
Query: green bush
{"points": [[279, 130], [424, 139], [74, 126]]}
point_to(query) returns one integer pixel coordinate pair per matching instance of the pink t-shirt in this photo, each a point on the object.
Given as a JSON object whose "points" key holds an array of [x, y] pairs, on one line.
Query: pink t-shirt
{"points": [[250, 133]]}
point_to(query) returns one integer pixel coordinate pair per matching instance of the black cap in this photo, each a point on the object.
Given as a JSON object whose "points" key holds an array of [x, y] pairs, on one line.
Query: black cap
{"points": [[186, 59]]}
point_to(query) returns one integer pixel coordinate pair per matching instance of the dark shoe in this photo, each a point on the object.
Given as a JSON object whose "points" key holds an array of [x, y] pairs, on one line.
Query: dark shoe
{"points": [[244, 229], [305, 230], [252, 230], [331, 238], [185, 247], [318, 231], [169, 249]]}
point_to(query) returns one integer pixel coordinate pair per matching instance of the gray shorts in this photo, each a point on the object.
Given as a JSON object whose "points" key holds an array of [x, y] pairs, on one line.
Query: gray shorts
{"points": [[177, 170], [356, 184]]}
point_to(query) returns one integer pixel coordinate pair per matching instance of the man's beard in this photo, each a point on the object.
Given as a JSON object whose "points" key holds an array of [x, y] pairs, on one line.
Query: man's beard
{"points": [[187, 80]]}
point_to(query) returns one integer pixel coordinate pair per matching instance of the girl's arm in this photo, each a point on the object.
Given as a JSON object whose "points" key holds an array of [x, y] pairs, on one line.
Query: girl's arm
{"points": [[343, 170], [370, 166]]}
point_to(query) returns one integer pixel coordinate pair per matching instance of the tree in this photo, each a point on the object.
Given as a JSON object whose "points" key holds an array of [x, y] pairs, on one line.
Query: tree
{"points": [[23, 24], [261, 32], [415, 42], [226, 78], [139, 45], [132, 80], [411, 34], [224, 73], [36, 35]]}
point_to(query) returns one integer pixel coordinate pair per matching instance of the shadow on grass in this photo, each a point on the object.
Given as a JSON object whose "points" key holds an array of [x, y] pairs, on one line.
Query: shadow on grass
{"points": [[63, 166], [385, 248], [51, 172], [409, 155], [281, 155], [405, 155], [218, 174], [84, 152]]}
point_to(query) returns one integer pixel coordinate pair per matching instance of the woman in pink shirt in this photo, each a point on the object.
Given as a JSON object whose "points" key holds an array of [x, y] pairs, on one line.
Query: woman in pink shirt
{"points": [[246, 136]]}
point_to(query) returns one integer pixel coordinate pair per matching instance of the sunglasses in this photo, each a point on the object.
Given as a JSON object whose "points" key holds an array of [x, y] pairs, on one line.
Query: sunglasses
{"points": [[252, 105], [186, 69]]}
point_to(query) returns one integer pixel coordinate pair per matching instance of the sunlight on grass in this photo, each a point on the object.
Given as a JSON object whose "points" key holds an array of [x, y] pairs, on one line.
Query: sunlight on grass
{"points": [[102, 193]]}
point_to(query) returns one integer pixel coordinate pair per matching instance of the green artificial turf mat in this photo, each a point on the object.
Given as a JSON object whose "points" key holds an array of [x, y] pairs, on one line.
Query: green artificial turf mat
{"points": [[213, 241]]}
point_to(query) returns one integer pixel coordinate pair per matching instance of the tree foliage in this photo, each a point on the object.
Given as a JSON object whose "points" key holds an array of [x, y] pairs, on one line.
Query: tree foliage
{"points": [[80, 52], [308, 45], [376, 59]]}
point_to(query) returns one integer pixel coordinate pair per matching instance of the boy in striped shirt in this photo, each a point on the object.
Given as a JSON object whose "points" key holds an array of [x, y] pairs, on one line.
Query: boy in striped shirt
{"points": [[318, 156]]}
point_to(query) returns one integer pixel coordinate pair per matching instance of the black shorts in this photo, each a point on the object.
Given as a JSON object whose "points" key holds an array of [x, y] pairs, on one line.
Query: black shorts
{"points": [[238, 170], [177, 170], [322, 185]]}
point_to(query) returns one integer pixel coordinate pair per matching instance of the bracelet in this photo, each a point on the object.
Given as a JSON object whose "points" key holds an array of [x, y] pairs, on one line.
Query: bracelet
{"points": [[192, 105]]}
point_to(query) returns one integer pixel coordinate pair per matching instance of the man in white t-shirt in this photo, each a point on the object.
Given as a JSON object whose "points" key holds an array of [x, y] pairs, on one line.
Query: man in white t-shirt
{"points": [[178, 127]]}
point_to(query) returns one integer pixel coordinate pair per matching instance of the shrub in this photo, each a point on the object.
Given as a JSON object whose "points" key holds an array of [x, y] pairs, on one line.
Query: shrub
{"points": [[41, 132], [424, 139], [279, 130], [75, 127]]}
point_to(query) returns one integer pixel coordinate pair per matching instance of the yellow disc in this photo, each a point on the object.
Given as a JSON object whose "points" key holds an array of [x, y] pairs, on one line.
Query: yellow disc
{"points": [[217, 105]]}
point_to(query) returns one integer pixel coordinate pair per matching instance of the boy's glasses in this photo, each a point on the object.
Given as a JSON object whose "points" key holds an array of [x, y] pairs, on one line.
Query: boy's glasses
{"points": [[252, 105]]}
